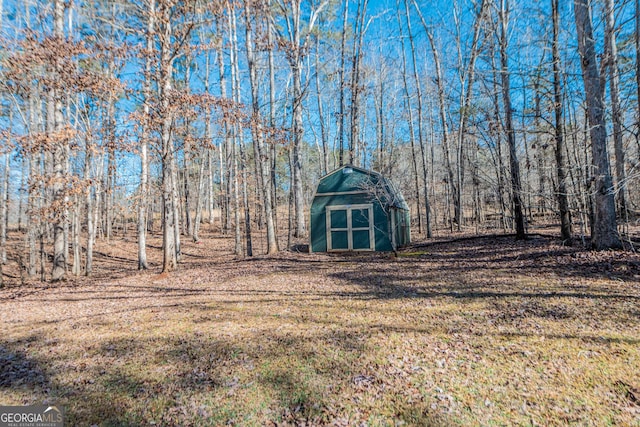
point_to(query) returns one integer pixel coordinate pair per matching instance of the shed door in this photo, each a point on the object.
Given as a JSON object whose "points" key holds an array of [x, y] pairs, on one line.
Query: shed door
{"points": [[350, 228]]}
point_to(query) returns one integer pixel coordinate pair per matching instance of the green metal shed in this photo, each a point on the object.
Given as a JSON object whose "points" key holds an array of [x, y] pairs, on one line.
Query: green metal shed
{"points": [[355, 209]]}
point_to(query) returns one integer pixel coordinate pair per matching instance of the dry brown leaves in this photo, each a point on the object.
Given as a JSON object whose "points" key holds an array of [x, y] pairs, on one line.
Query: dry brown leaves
{"points": [[475, 332]]}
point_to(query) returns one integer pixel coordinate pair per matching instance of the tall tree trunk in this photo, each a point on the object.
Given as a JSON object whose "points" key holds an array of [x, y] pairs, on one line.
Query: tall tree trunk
{"points": [[379, 97], [24, 167], [605, 233], [176, 204], [59, 173], [324, 155], [143, 205], [169, 217], [77, 258], [110, 176], [144, 143], [528, 188], [225, 150], [186, 181], [272, 120], [67, 169], [290, 229], [209, 142], [245, 198], [241, 174], [187, 160], [76, 228], [540, 148], [238, 250], [497, 134], [33, 220], [199, 199], [561, 166], [466, 94], [262, 160], [89, 202], [410, 122], [4, 203], [341, 71], [296, 125], [356, 60], [442, 106], [235, 129], [516, 186], [421, 138], [211, 194]]}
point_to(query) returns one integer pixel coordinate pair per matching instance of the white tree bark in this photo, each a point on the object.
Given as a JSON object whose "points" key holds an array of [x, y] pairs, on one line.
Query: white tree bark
{"points": [[144, 144], [59, 173]]}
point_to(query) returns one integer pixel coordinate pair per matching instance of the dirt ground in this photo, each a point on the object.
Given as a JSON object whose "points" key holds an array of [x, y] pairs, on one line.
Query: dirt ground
{"points": [[474, 331]]}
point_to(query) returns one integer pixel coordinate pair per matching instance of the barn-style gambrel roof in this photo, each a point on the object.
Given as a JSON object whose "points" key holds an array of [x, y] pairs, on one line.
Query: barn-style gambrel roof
{"points": [[350, 179]]}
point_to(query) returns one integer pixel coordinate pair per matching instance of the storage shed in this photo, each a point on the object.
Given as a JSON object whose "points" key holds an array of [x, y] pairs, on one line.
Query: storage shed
{"points": [[355, 209]]}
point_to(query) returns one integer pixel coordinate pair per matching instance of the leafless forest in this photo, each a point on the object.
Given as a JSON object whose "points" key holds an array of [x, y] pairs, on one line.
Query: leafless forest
{"points": [[130, 118], [158, 160]]}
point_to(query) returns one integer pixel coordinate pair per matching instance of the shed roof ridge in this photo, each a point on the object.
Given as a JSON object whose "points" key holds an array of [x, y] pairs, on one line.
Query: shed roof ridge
{"points": [[358, 168]]}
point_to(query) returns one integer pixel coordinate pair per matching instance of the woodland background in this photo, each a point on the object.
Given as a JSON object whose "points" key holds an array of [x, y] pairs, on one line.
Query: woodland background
{"points": [[158, 116], [189, 136]]}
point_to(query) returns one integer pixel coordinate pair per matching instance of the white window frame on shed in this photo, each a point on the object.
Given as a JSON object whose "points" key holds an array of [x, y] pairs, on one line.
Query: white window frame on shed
{"points": [[350, 229]]}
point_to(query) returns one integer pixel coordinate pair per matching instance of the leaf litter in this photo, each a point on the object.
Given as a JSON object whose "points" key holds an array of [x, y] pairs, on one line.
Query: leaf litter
{"points": [[480, 331]]}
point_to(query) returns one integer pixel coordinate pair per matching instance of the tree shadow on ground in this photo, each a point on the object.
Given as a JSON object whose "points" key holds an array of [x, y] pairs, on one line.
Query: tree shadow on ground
{"points": [[379, 284], [18, 371], [196, 379], [537, 255], [204, 376]]}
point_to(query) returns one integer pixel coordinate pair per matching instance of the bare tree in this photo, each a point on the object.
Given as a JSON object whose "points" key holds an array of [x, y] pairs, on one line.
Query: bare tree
{"points": [[324, 153], [272, 114], [466, 93], [342, 78], [262, 160], [296, 41], [59, 162], [410, 124], [420, 113], [170, 41], [144, 141], [604, 229], [355, 87], [442, 106], [561, 166], [516, 186], [235, 130]]}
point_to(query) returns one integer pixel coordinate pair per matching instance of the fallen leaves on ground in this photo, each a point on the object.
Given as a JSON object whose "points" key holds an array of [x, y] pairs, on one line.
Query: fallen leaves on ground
{"points": [[476, 332]]}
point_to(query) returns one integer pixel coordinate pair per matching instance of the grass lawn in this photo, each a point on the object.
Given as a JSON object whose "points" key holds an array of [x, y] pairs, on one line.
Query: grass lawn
{"points": [[485, 331]]}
